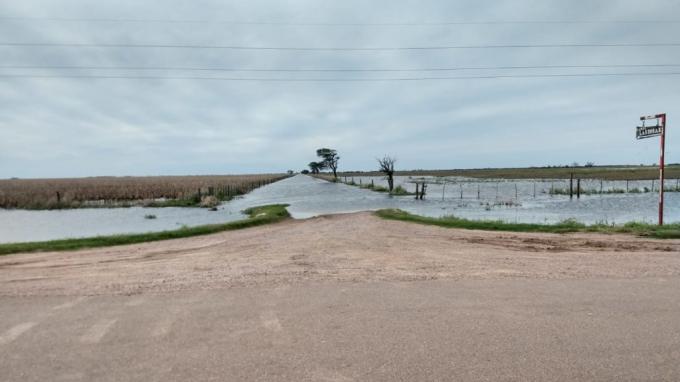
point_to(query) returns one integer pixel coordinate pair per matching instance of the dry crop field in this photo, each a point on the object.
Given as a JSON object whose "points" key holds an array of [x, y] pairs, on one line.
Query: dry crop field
{"points": [[121, 191]]}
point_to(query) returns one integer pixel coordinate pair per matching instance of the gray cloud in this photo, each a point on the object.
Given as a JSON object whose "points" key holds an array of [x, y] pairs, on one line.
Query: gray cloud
{"points": [[79, 127]]}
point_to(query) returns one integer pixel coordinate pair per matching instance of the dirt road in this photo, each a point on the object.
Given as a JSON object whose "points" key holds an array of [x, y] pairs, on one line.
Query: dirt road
{"points": [[354, 247], [346, 298]]}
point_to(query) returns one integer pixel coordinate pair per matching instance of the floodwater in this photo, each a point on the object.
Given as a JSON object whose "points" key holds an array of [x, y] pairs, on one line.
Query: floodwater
{"points": [[512, 201]]}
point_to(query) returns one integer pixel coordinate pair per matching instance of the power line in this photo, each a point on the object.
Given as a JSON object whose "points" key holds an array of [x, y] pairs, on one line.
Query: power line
{"points": [[322, 70], [244, 79], [333, 24], [245, 47]]}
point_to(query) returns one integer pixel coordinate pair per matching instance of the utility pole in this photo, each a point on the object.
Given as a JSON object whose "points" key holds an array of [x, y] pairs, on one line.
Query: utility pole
{"points": [[653, 131]]}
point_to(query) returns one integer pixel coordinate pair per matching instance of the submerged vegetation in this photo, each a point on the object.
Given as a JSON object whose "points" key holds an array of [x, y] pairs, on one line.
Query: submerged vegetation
{"points": [[396, 191], [670, 231], [257, 216], [107, 192], [557, 172]]}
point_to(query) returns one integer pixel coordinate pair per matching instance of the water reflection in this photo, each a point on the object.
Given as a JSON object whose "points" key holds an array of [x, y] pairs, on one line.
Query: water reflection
{"points": [[309, 197]]}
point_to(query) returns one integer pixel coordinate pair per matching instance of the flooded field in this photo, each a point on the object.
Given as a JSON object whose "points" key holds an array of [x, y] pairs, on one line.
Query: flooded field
{"points": [[512, 201]]}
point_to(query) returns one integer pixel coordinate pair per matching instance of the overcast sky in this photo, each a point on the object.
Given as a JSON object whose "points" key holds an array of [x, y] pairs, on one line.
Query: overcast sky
{"points": [[63, 127]]}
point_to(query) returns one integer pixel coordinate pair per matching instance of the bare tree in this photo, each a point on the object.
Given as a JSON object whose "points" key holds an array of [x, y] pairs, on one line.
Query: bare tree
{"points": [[387, 167]]}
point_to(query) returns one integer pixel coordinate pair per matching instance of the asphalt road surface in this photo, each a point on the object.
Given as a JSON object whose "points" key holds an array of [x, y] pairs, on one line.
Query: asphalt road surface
{"points": [[474, 330]]}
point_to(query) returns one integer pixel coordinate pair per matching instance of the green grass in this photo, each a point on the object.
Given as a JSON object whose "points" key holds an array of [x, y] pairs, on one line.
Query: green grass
{"points": [[398, 190], [257, 216], [670, 231], [401, 191]]}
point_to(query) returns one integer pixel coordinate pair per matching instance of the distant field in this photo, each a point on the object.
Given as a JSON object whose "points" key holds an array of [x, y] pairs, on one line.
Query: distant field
{"points": [[158, 191], [599, 172]]}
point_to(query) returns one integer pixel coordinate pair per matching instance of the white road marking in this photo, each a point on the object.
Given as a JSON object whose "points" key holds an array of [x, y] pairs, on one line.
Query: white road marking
{"points": [[69, 304], [13, 333], [270, 321], [97, 331]]}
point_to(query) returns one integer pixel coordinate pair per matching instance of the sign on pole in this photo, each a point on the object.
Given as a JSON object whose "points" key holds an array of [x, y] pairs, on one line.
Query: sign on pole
{"points": [[655, 131], [648, 131]]}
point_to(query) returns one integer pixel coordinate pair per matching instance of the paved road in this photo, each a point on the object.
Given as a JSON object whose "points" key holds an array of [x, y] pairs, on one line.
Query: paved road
{"points": [[511, 330]]}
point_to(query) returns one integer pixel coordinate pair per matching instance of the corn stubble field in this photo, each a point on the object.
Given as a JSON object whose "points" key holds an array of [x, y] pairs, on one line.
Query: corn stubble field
{"points": [[156, 191]]}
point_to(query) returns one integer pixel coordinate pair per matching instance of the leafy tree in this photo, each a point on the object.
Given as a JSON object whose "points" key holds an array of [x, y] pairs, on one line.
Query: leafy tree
{"points": [[330, 159], [316, 167], [387, 167]]}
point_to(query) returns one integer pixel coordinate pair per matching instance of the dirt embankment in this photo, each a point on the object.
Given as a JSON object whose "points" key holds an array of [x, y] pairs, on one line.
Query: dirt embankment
{"points": [[354, 248]]}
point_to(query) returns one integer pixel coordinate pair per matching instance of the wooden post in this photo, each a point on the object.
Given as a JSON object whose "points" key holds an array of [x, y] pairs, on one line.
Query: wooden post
{"points": [[443, 190], [461, 191], [422, 190], [417, 190], [662, 167], [478, 193], [578, 188], [516, 194], [601, 188], [534, 190], [626, 186], [571, 186], [372, 185]]}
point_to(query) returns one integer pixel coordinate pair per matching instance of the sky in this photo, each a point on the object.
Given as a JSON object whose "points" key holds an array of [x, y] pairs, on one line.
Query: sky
{"points": [[206, 122]]}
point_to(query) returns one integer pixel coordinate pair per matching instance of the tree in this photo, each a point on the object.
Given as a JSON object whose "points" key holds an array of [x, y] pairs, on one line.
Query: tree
{"points": [[387, 167], [304, 172], [330, 159], [315, 167]]}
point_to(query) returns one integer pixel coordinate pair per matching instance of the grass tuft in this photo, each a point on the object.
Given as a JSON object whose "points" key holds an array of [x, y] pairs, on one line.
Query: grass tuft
{"points": [[257, 216], [669, 231]]}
